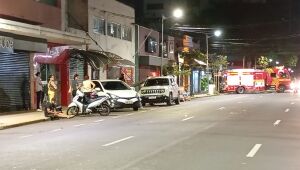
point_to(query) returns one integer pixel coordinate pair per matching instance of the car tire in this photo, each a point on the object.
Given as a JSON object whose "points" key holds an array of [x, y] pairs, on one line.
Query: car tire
{"points": [[143, 104], [169, 100], [135, 108], [281, 89], [151, 104], [240, 90]]}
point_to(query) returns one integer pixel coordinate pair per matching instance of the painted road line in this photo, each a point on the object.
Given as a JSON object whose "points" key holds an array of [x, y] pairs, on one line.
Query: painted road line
{"points": [[79, 125], [55, 130], [100, 120], [26, 136], [292, 103], [118, 141], [130, 114], [187, 118], [254, 150], [143, 111], [287, 110], [221, 108], [276, 122]]}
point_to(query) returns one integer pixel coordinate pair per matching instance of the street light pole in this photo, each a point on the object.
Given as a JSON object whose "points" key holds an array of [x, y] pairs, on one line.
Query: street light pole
{"points": [[206, 52], [162, 44]]}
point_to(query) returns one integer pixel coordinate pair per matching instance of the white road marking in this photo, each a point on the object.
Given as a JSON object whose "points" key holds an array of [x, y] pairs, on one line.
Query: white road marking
{"points": [[79, 125], [130, 114], [276, 122], [143, 111], [244, 110], [221, 108], [292, 103], [116, 117], [239, 102], [55, 130], [100, 120], [118, 141], [254, 150], [152, 109], [287, 110], [187, 118], [26, 136]]}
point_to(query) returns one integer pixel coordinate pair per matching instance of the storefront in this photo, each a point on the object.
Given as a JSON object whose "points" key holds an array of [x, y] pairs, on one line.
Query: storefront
{"points": [[15, 71]]}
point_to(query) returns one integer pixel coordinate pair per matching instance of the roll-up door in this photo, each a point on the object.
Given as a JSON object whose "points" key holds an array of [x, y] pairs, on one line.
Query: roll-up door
{"points": [[14, 82]]}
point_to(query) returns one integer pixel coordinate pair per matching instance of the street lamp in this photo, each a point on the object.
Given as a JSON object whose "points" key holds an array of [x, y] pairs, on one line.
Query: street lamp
{"points": [[177, 13], [217, 33]]}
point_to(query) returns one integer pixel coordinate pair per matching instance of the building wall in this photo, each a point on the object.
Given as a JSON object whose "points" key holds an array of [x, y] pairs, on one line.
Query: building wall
{"points": [[116, 12], [32, 12], [143, 33]]}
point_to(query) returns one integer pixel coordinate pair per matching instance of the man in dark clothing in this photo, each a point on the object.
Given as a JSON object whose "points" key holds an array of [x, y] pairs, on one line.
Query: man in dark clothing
{"points": [[53, 111], [122, 77], [75, 85]]}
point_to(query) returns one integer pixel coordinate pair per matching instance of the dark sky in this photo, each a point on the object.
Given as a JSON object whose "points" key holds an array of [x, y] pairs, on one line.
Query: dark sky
{"points": [[252, 27]]}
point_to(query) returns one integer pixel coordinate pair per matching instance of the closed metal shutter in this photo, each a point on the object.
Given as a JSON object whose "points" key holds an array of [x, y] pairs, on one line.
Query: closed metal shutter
{"points": [[14, 82], [76, 66]]}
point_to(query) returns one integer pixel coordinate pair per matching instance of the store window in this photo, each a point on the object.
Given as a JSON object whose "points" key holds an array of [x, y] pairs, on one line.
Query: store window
{"points": [[114, 30], [126, 33], [99, 25]]}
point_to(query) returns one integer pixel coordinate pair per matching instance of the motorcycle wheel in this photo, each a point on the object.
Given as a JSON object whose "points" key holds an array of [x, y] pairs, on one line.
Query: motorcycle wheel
{"points": [[72, 110], [105, 110]]}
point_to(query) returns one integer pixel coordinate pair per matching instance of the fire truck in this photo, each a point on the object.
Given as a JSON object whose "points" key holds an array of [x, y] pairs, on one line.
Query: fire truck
{"points": [[253, 80], [242, 80], [279, 78]]}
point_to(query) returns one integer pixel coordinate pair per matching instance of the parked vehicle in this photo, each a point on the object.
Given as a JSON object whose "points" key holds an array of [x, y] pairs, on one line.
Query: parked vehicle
{"points": [[99, 104], [242, 80], [121, 93], [160, 90]]}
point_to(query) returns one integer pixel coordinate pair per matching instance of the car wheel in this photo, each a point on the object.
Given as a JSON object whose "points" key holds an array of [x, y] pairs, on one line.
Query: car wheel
{"points": [[240, 90], [143, 104], [170, 98], [151, 104], [135, 108], [281, 89]]}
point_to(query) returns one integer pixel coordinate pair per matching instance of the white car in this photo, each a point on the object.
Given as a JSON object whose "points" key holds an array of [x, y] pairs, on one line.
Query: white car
{"points": [[121, 93], [160, 90]]}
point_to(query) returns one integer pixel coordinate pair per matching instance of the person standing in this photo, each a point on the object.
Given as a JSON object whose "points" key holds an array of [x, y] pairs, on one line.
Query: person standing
{"points": [[51, 88], [74, 85], [39, 90], [87, 88]]}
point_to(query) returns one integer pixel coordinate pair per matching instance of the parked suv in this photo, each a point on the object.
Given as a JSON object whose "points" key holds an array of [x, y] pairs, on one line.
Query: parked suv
{"points": [[160, 90]]}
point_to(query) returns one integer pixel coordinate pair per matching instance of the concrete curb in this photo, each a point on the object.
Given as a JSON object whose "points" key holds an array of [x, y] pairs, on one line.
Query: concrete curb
{"points": [[2, 127]]}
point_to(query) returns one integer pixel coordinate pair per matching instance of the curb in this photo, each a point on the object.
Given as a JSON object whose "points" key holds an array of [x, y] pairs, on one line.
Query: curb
{"points": [[22, 124]]}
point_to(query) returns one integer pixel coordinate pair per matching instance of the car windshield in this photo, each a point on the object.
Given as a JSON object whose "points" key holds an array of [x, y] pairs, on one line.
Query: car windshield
{"points": [[114, 85], [157, 82]]}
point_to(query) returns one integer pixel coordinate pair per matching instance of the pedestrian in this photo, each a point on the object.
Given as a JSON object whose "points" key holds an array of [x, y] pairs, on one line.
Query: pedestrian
{"points": [[53, 111], [122, 77], [51, 87], [75, 85], [39, 91], [87, 88]]}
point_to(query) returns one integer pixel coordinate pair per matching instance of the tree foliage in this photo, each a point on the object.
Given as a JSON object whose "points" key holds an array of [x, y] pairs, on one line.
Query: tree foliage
{"points": [[263, 62], [218, 62], [291, 61]]}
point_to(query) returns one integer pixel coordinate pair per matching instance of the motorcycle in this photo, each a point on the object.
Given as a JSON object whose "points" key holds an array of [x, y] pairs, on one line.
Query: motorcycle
{"points": [[98, 103]]}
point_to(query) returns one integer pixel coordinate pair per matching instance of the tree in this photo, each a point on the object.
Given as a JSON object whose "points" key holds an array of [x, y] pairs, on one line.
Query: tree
{"points": [[263, 62], [291, 61], [218, 63]]}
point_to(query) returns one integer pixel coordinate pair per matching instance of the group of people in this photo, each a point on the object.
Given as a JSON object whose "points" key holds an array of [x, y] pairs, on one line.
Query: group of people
{"points": [[49, 95]]}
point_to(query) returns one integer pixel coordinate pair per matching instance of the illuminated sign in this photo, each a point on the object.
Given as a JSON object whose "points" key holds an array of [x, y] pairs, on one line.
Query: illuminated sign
{"points": [[6, 44]]}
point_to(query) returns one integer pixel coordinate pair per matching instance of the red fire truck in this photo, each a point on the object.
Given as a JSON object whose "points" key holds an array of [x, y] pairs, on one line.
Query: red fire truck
{"points": [[242, 80]]}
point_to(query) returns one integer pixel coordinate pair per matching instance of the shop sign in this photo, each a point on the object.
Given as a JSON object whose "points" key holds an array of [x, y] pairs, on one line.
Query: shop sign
{"points": [[6, 44]]}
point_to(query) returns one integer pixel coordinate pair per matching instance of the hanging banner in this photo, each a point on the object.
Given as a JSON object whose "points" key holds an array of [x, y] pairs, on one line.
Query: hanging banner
{"points": [[6, 44]]}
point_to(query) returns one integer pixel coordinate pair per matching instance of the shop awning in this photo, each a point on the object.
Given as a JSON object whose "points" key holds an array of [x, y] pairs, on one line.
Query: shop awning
{"points": [[200, 62], [118, 60], [94, 59]]}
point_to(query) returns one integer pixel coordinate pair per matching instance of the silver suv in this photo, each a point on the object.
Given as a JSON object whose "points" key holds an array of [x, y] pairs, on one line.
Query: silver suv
{"points": [[160, 90]]}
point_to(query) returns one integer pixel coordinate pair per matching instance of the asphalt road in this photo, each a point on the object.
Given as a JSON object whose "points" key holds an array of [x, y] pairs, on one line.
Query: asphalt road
{"points": [[227, 132]]}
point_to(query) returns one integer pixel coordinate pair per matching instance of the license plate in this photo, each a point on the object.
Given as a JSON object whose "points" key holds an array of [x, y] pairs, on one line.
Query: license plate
{"points": [[152, 97], [129, 102]]}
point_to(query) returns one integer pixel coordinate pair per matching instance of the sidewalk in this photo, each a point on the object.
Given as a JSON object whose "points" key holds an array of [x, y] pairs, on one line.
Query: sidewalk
{"points": [[14, 120]]}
